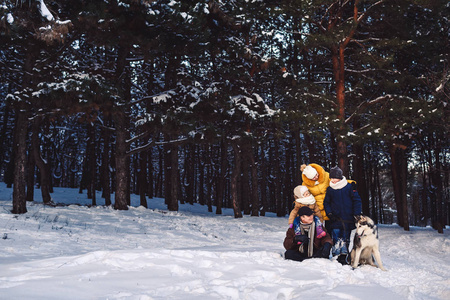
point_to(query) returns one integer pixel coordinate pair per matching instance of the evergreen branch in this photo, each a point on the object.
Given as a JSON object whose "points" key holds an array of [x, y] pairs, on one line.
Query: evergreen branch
{"points": [[153, 143], [138, 137], [366, 104], [140, 148], [361, 128], [145, 98], [359, 71], [363, 15], [321, 98]]}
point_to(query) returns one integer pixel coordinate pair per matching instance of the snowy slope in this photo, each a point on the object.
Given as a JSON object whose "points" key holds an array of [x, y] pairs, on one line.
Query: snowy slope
{"points": [[76, 252]]}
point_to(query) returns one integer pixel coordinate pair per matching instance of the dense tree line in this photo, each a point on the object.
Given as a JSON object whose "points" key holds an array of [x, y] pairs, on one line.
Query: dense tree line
{"points": [[220, 102]]}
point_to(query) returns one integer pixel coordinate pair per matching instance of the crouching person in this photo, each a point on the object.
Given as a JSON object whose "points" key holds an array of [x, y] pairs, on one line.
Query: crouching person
{"points": [[301, 241]]}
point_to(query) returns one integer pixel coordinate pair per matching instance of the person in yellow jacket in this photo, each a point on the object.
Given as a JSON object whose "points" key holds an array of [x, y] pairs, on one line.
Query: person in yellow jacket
{"points": [[317, 180]]}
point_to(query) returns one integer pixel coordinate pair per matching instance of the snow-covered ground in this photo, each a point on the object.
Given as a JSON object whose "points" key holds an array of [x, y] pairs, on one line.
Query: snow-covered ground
{"points": [[76, 252]]}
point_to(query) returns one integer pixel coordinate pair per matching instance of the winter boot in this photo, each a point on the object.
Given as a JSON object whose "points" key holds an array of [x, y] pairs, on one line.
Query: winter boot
{"points": [[344, 249], [320, 232], [326, 250], [342, 259], [336, 248]]}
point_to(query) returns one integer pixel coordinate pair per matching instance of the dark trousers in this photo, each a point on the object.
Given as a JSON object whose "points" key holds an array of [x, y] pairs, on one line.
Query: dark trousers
{"points": [[295, 255], [323, 252]]}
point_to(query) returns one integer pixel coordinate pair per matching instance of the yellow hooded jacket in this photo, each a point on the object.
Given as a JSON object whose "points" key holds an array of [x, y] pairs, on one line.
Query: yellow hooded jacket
{"points": [[318, 190]]}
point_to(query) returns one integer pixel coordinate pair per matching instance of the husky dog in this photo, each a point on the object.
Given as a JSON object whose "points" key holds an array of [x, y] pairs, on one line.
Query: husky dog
{"points": [[365, 243]]}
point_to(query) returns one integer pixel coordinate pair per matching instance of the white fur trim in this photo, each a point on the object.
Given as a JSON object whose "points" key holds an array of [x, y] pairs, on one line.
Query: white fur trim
{"points": [[306, 200], [339, 185], [300, 190]]}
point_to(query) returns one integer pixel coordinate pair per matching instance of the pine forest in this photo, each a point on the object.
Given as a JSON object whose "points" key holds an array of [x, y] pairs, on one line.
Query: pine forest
{"points": [[220, 102]]}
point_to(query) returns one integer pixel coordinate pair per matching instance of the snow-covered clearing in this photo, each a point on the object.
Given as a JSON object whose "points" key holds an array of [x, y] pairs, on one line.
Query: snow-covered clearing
{"points": [[76, 252]]}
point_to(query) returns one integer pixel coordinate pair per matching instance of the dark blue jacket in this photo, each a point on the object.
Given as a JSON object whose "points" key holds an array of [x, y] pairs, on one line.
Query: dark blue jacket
{"points": [[343, 203]]}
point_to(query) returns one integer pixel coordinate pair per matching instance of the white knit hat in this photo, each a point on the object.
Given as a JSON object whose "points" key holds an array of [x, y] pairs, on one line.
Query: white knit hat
{"points": [[300, 190], [309, 172]]}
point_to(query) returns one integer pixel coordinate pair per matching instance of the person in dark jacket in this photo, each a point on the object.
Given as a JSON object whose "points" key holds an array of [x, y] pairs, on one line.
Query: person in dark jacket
{"points": [[301, 241], [342, 203]]}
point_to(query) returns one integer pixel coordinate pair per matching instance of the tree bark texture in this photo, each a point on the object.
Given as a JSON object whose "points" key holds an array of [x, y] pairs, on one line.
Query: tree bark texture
{"points": [[44, 169], [235, 179], [122, 168], [398, 165], [20, 160]]}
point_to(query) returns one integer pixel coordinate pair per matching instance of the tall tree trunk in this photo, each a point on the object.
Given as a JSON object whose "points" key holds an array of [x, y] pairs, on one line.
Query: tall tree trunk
{"points": [[105, 174], [280, 205], [244, 179], [201, 158], [338, 71], [398, 165], [92, 164], [312, 155], [159, 192], [436, 169], [4, 136], [263, 185], [359, 176], [189, 173], [221, 177], [150, 175], [254, 191], [31, 170], [142, 178], [20, 160], [235, 178], [380, 198], [171, 175], [298, 158], [173, 203], [121, 161], [209, 175], [40, 162], [372, 189], [20, 136], [120, 117]]}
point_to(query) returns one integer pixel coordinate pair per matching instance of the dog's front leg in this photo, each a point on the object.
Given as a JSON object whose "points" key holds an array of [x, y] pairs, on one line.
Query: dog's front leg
{"points": [[376, 254], [357, 256]]}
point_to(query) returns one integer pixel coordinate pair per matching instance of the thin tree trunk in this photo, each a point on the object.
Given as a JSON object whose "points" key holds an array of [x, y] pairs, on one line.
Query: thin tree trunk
{"points": [[254, 192], [171, 175], [92, 164], [105, 174], [20, 160], [3, 135], [439, 221], [234, 180], [189, 174], [372, 189], [150, 175], [244, 179], [398, 181], [122, 168], [298, 160], [338, 71], [201, 157], [142, 177], [280, 205], [359, 176], [41, 164], [221, 177], [173, 203], [209, 180], [263, 186], [31, 168], [380, 198]]}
